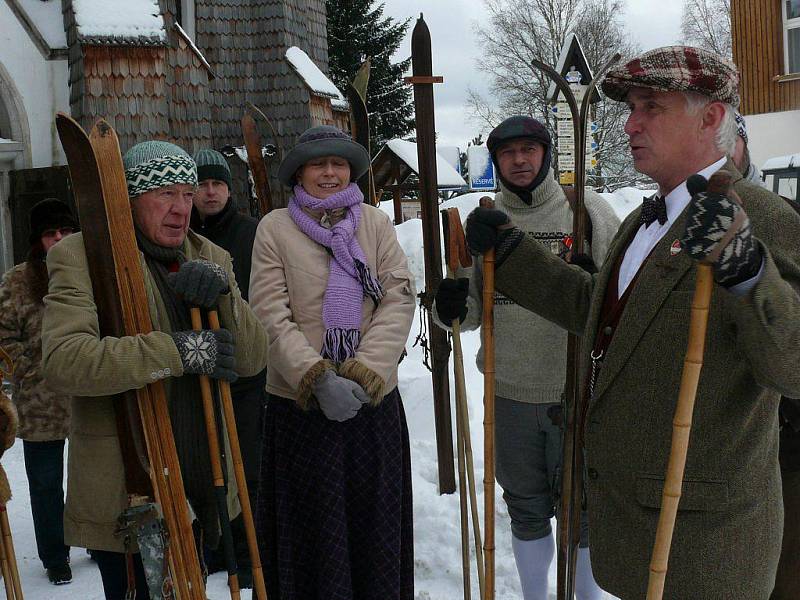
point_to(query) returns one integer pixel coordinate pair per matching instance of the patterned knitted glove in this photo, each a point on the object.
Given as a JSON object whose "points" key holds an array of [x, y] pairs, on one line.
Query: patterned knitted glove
{"points": [[339, 399], [451, 300], [200, 282], [718, 231], [207, 352], [491, 228]]}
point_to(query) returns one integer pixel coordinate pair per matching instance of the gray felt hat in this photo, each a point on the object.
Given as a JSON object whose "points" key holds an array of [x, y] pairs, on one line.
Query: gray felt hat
{"points": [[323, 140]]}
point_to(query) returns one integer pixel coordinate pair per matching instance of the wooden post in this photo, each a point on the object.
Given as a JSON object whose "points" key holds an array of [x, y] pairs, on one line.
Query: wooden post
{"points": [[397, 194]]}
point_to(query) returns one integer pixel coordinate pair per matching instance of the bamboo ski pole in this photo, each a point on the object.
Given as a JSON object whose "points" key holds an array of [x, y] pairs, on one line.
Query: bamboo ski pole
{"points": [[462, 499], [259, 588], [682, 421], [456, 254], [220, 490], [487, 331], [10, 558]]}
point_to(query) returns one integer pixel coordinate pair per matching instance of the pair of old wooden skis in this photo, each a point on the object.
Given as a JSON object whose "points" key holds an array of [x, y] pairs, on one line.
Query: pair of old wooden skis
{"points": [[152, 470], [8, 559]]}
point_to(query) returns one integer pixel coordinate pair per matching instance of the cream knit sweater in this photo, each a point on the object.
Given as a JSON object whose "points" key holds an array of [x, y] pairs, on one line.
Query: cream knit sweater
{"points": [[530, 352]]}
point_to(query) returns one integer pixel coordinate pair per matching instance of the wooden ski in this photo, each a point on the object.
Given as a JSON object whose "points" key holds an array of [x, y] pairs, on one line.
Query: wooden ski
{"points": [[359, 125], [255, 160], [571, 497], [100, 190]]}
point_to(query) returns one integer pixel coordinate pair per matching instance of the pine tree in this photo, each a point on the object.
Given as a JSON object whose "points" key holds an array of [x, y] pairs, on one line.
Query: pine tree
{"points": [[357, 30]]}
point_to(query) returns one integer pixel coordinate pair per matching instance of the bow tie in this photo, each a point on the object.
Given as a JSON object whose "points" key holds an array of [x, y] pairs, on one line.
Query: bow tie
{"points": [[652, 209]]}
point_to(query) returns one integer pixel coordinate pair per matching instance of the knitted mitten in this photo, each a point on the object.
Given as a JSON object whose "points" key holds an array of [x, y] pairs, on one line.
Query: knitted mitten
{"points": [[718, 231], [200, 282], [207, 352]]}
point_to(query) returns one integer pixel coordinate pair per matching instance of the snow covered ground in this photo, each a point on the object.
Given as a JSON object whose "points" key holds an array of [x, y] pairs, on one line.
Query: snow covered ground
{"points": [[436, 517]]}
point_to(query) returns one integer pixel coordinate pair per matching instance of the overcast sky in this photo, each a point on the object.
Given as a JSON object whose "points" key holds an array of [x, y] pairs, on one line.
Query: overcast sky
{"points": [[452, 23]]}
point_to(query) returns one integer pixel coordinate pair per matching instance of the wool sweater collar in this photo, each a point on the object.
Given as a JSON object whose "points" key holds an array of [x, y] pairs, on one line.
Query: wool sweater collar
{"points": [[541, 194]]}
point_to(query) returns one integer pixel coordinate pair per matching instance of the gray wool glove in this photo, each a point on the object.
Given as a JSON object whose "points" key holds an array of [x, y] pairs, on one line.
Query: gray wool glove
{"points": [[339, 398], [207, 352], [718, 230], [200, 282]]}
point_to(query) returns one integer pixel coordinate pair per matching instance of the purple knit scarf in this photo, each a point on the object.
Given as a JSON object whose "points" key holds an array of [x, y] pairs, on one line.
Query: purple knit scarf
{"points": [[350, 279]]}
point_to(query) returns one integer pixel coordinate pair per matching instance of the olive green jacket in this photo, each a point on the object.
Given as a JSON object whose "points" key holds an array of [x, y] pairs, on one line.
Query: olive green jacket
{"points": [[728, 533], [77, 361]]}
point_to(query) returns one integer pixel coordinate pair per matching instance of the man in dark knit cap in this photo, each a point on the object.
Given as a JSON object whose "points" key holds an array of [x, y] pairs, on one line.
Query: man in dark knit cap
{"points": [[530, 351], [633, 318], [215, 216], [181, 269]]}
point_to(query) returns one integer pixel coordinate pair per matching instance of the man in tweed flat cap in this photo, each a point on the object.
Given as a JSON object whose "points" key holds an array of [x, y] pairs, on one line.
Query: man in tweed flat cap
{"points": [[633, 317], [181, 269]]}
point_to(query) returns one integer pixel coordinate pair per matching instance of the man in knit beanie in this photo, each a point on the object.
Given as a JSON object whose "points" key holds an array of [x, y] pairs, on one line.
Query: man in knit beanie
{"points": [[530, 351], [181, 270], [216, 217]]}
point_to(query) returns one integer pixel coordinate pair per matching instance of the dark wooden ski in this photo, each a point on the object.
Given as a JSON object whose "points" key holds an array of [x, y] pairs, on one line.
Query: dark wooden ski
{"points": [[359, 124], [255, 160], [104, 211], [571, 497]]}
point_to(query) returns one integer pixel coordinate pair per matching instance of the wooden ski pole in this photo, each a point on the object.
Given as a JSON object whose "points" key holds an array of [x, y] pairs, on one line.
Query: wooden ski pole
{"points": [[12, 580], [220, 490], [682, 421], [457, 254], [487, 331], [241, 481]]}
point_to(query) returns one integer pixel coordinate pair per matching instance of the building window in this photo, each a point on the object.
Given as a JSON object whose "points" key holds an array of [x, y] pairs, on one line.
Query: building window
{"points": [[791, 35]]}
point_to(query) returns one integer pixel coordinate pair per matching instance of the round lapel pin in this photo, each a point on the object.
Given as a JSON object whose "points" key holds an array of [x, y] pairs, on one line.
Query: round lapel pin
{"points": [[675, 248]]}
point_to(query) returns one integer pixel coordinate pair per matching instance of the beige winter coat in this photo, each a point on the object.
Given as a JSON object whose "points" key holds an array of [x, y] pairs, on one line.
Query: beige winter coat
{"points": [[287, 286], [78, 361]]}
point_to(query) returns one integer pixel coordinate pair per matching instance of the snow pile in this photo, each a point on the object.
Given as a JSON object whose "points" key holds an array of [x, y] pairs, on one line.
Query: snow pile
{"points": [[625, 200], [314, 78], [120, 19]]}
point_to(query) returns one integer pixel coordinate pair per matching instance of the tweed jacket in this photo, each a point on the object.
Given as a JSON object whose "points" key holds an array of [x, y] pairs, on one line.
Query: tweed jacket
{"points": [[78, 361], [43, 412], [727, 538], [287, 288]]}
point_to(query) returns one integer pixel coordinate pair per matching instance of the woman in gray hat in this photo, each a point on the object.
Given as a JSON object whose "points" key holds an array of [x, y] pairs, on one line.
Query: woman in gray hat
{"points": [[332, 287]]}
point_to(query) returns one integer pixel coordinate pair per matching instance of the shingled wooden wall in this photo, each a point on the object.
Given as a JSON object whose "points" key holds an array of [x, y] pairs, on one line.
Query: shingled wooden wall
{"points": [[245, 42], [757, 29]]}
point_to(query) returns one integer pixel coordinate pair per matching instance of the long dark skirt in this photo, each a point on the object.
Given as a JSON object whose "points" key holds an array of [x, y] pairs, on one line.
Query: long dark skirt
{"points": [[334, 514]]}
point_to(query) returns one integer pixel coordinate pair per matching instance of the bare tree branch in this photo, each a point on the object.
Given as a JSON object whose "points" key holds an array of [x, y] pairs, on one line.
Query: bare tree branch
{"points": [[519, 31], [707, 24]]}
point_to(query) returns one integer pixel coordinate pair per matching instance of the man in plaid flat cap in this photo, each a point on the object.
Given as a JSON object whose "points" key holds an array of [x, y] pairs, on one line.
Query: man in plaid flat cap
{"points": [[633, 316]]}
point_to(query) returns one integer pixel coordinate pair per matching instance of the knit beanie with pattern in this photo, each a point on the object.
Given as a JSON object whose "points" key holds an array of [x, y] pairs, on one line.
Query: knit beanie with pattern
{"points": [[212, 165], [155, 164]]}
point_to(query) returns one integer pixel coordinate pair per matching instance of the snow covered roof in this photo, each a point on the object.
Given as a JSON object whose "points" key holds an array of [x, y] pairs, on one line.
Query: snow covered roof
{"points": [[47, 18], [407, 152], [782, 162], [314, 78], [119, 21]]}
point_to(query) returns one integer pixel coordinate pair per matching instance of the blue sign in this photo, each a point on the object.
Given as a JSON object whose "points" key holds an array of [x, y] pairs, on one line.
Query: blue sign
{"points": [[480, 169]]}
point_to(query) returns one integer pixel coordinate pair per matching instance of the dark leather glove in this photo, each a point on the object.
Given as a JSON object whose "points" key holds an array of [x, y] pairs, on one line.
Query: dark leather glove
{"points": [[200, 282], [491, 228], [584, 261], [718, 231], [207, 352], [339, 399], [451, 300]]}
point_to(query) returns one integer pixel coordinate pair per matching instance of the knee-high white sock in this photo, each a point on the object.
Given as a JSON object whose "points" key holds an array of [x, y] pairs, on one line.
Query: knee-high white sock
{"points": [[586, 587], [533, 558]]}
